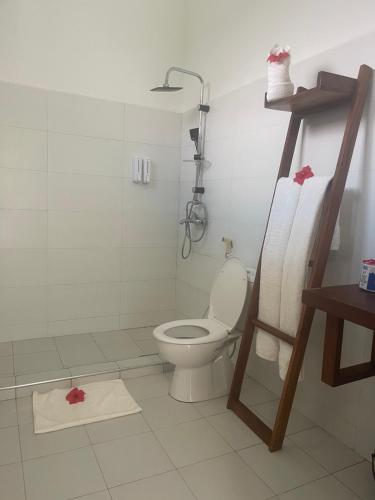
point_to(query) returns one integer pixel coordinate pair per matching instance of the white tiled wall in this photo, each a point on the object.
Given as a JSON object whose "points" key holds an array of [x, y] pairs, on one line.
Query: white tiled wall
{"points": [[244, 145], [81, 247]]}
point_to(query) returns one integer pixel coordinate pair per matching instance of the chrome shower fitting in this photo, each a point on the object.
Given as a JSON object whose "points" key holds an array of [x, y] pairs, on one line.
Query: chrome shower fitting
{"points": [[195, 209]]}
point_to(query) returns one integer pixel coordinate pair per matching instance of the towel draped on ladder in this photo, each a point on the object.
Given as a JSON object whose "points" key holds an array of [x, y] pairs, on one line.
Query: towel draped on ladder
{"points": [[287, 248]]}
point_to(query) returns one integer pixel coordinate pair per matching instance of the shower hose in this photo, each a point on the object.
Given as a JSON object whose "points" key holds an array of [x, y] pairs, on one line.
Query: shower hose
{"points": [[192, 218]]}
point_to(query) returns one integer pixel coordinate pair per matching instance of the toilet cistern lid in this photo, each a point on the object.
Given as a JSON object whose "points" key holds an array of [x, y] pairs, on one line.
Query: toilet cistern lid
{"points": [[228, 293]]}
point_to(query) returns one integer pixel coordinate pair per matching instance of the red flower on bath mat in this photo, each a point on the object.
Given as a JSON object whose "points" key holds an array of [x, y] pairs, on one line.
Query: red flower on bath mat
{"points": [[303, 174], [272, 58], [75, 396]]}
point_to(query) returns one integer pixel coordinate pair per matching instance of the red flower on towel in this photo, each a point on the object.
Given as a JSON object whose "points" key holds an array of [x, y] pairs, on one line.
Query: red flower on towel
{"points": [[278, 58], [303, 174], [75, 396]]}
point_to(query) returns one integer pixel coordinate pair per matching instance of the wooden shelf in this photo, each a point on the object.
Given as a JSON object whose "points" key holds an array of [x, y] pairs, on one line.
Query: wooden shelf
{"points": [[348, 302], [343, 303], [331, 89]]}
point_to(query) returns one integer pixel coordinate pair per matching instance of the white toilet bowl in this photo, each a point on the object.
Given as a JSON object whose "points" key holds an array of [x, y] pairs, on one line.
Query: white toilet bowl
{"points": [[199, 347]]}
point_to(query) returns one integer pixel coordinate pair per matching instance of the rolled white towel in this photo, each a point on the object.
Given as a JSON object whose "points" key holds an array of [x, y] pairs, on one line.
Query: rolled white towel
{"points": [[275, 244], [279, 83], [296, 261]]}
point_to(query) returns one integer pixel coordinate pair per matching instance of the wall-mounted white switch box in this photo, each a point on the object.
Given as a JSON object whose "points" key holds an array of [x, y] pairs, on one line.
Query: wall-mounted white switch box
{"points": [[137, 169]]}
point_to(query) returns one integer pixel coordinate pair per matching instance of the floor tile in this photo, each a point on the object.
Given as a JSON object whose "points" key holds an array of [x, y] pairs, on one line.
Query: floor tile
{"points": [[327, 488], [6, 366], [224, 478], [233, 430], [102, 495], [36, 362], [192, 442], [132, 458], [283, 470], [149, 386], [166, 411], [140, 372], [38, 445], [24, 410], [115, 428], [38, 377], [6, 382], [325, 449], [117, 345], [63, 476], [141, 333], [359, 479], [152, 361], [6, 349], [31, 346], [297, 421], [11, 481], [253, 393], [8, 413], [212, 406], [98, 367], [10, 446], [77, 350], [168, 485], [148, 346]]}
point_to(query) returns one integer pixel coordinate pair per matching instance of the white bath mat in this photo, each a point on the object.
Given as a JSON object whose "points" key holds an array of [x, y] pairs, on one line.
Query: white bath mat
{"points": [[103, 401]]}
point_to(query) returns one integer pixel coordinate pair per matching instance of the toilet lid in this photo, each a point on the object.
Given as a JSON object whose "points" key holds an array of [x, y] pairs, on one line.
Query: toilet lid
{"points": [[228, 293]]}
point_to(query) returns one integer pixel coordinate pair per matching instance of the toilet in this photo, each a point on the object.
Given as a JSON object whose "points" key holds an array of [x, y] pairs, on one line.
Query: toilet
{"points": [[199, 347]]}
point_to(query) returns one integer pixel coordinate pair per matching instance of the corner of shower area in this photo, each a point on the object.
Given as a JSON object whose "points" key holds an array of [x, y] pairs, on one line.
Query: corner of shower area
{"points": [[87, 255]]}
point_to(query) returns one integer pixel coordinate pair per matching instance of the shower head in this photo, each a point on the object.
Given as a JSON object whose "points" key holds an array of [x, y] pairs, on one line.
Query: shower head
{"points": [[166, 88]]}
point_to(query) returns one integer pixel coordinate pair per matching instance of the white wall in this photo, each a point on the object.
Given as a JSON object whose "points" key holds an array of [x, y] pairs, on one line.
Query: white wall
{"points": [[82, 248], [112, 49], [227, 41], [244, 144]]}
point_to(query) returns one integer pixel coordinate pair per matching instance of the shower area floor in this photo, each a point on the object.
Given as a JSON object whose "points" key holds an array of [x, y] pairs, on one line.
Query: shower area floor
{"points": [[51, 358]]}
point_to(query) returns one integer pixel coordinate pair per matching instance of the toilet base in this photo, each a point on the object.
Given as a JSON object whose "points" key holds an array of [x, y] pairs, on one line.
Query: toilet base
{"points": [[205, 382]]}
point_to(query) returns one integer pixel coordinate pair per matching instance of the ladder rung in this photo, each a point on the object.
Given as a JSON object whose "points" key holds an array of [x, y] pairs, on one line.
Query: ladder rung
{"points": [[274, 331]]}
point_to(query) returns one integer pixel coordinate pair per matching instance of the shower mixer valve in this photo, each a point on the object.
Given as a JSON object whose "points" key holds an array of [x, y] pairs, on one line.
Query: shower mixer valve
{"points": [[193, 219]]}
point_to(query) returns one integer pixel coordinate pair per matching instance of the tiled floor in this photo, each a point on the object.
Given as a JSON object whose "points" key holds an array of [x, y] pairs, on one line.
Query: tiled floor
{"points": [[175, 450], [38, 359]]}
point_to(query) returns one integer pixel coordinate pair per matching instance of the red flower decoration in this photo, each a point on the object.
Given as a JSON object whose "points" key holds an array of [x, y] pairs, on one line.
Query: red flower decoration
{"points": [[75, 396], [272, 58], [303, 174]]}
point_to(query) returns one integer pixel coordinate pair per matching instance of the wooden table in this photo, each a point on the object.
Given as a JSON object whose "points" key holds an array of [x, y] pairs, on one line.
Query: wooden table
{"points": [[343, 303]]}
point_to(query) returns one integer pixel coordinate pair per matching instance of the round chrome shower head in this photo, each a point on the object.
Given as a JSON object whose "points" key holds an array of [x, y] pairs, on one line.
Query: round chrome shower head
{"points": [[166, 88]]}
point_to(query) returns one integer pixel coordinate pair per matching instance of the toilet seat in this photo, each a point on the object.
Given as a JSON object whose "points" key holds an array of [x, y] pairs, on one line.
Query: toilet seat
{"points": [[227, 298], [215, 331]]}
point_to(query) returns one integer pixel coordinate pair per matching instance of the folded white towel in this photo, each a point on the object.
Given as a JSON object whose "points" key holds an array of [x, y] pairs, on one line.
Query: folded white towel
{"points": [[103, 400], [275, 244], [296, 260]]}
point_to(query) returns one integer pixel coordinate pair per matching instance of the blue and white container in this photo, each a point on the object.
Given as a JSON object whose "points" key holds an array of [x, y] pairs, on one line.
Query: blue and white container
{"points": [[367, 281]]}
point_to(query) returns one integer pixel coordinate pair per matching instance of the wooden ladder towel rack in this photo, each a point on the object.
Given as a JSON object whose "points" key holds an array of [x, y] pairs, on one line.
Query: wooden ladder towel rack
{"points": [[331, 90]]}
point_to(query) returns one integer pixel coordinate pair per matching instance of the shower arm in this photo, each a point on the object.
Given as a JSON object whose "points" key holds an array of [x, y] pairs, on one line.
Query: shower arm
{"points": [[186, 72], [196, 75]]}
